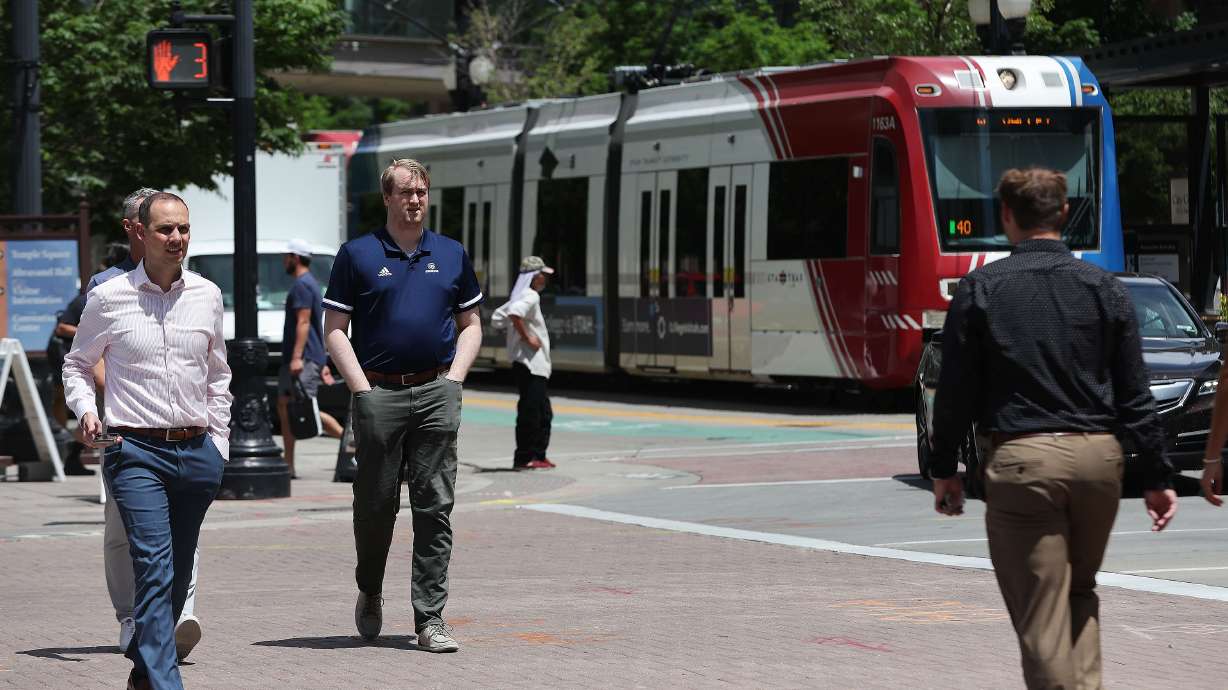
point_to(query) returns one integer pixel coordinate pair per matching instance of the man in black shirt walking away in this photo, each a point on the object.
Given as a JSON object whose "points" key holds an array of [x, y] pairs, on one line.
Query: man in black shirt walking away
{"points": [[1042, 351]]}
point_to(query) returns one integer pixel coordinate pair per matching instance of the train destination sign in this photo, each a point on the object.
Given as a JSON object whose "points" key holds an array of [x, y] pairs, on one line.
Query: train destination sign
{"points": [[178, 58]]}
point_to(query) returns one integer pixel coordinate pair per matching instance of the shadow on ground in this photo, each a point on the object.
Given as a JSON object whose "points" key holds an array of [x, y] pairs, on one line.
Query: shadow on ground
{"points": [[343, 642], [65, 653]]}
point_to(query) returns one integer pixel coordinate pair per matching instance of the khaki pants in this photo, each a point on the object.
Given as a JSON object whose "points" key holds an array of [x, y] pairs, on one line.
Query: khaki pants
{"points": [[1051, 505]]}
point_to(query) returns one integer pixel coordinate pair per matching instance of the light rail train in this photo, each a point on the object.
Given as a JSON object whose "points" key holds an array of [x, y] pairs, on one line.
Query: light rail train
{"points": [[791, 225]]}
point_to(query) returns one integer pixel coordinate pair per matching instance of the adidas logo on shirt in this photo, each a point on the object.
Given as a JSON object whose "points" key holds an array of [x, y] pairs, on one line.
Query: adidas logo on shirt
{"points": [[384, 272]]}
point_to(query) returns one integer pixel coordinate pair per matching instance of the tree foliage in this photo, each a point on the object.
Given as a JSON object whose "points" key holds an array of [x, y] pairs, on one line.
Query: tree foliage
{"points": [[105, 132]]}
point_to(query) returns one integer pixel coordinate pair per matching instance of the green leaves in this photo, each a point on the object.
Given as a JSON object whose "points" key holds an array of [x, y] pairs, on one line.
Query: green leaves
{"points": [[105, 132]]}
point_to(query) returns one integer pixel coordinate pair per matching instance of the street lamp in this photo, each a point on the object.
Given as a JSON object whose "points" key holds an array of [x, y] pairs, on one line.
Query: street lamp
{"points": [[1000, 24]]}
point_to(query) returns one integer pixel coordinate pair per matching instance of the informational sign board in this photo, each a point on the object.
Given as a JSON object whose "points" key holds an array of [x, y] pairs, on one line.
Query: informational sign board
{"points": [[38, 278], [1179, 200]]}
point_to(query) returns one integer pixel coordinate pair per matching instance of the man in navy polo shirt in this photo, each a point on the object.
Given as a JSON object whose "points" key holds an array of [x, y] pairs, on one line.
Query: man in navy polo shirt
{"points": [[412, 298]]}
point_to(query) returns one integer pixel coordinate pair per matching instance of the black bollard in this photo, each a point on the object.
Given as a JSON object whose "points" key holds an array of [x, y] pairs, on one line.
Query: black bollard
{"points": [[256, 468]]}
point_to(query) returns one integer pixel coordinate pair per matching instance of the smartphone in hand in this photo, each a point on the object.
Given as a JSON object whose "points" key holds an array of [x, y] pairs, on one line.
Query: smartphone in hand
{"points": [[105, 439]]}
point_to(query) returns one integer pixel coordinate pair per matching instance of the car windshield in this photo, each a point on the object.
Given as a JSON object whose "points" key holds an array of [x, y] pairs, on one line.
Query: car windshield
{"points": [[272, 282], [1160, 313], [968, 149]]}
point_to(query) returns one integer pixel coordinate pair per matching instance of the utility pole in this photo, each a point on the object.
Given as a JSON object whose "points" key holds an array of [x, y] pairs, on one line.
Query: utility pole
{"points": [[27, 160]]}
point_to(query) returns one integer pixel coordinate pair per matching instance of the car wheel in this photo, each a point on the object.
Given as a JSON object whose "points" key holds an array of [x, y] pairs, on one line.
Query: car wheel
{"points": [[923, 442]]}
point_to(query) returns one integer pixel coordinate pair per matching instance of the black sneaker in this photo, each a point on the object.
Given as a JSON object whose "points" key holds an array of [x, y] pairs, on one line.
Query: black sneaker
{"points": [[369, 615]]}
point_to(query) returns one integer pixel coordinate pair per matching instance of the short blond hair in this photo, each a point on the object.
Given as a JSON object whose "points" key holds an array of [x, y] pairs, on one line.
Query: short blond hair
{"points": [[410, 165]]}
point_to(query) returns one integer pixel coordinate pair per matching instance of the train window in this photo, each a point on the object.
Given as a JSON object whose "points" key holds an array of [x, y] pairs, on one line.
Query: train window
{"points": [[718, 241], [645, 241], [739, 239], [663, 245], [486, 248], [452, 212], [471, 240], [968, 150], [562, 232], [808, 209], [884, 200], [691, 245]]}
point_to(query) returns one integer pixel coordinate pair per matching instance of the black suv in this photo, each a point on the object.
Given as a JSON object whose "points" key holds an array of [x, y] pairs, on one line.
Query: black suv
{"points": [[1183, 358]]}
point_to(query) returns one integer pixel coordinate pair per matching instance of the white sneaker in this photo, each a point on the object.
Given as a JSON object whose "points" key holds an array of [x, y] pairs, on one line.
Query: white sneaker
{"points": [[127, 627], [187, 636], [437, 637], [369, 615]]}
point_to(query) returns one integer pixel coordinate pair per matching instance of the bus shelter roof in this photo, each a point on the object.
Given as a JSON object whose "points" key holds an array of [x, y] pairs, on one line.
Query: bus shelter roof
{"points": [[1198, 57]]}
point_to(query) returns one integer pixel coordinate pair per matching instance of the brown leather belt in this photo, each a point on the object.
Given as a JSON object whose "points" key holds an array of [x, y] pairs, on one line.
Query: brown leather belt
{"points": [[181, 433], [374, 377], [997, 438]]}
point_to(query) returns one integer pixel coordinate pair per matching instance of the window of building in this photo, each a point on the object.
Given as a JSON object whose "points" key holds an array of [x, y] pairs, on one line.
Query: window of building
{"points": [[884, 200], [562, 232], [691, 243], [808, 209]]}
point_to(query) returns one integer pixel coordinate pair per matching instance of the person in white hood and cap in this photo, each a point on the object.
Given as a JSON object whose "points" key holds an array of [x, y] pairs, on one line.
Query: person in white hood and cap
{"points": [[528, 347]]}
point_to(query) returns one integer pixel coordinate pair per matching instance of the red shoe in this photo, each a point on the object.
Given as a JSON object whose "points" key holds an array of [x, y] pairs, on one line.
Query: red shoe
{"points": [[539, 465], [548, 463]]}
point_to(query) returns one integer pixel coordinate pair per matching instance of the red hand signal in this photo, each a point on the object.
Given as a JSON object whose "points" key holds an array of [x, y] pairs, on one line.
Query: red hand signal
{"points": [[164, 61]]}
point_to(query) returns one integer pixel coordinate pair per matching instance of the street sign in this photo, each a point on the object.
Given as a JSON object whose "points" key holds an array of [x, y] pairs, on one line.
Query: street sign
{"points": [[178, 58]]}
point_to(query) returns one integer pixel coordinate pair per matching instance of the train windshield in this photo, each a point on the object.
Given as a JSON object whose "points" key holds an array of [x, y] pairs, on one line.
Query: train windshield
{"points": [[967, 150]]}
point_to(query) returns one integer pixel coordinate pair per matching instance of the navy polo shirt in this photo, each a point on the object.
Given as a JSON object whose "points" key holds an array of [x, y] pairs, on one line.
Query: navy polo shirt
{"points": [[402, 306]]}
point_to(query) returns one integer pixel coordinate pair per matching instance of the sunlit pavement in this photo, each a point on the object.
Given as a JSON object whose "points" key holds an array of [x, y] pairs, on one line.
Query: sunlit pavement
{"points": [[678, 544]]}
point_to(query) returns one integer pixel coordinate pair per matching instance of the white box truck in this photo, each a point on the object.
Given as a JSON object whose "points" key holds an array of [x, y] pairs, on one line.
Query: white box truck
{"points": [[299, 197]]}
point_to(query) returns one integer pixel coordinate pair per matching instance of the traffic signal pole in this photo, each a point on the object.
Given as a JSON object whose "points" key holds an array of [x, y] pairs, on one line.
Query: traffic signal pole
{"points": [[256, 468], [27, 163]]}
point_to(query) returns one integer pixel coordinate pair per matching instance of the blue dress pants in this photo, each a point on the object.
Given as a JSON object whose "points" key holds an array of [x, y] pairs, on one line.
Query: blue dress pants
{"points": [[162, 490]]}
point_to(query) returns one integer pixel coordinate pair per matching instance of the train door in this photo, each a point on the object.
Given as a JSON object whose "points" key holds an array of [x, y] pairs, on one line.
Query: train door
{"points": [[729, 219], [655, 214], [478, 230], [885, 320]]}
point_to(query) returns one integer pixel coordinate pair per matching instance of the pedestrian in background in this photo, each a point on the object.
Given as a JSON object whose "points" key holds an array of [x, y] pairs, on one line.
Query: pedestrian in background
{"points": [[528, 348], [1042, 351], [303, 358], [158, 328], [58, 346], [412, 297]]}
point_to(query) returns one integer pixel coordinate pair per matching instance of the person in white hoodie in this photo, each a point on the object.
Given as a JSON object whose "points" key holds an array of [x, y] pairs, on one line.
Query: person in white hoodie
{"points": [[528, 347]]}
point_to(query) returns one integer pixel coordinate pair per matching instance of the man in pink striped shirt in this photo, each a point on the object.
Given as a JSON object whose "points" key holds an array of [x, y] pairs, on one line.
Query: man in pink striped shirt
{"points": [[158, 329]]}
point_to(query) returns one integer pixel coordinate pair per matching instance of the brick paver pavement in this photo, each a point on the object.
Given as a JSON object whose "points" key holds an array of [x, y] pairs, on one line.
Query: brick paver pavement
{"points": [[545, 600]]}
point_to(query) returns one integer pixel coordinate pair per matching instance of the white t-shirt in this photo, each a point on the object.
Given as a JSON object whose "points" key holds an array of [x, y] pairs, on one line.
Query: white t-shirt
{"points": [[528, 307]]}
